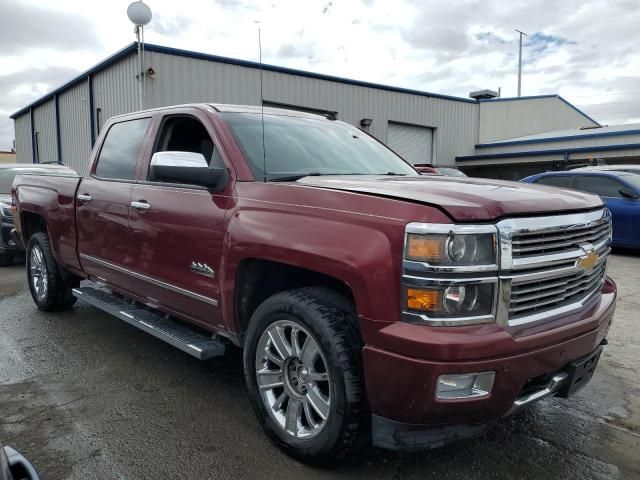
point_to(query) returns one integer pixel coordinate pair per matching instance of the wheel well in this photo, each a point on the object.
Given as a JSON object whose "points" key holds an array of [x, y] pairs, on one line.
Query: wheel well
{"points": [[258, 280], [32, 223]]}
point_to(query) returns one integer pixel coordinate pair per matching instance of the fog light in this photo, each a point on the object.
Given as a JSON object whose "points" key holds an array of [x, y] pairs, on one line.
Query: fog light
{"points": [[468, 385]]}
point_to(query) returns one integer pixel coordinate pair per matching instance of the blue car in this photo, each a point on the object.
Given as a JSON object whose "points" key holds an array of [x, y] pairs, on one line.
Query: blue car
{"points": [[620, 191]]}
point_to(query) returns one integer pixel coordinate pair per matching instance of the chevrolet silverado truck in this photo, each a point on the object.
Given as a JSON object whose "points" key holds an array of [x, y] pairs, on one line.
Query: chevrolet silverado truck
{"points": [[373, 304]]}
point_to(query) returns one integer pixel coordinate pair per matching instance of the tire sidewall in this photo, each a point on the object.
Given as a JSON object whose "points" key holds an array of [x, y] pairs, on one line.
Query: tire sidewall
{"points": [[323, 442], [39, 240]]}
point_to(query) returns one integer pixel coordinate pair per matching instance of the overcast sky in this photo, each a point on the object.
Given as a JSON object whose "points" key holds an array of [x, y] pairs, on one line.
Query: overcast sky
{"points": [[586, 50]]}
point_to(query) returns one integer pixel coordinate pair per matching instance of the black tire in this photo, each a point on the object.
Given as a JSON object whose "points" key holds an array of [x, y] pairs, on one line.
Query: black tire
{"points": [[6, 259], [333, 324], [57, 295]]}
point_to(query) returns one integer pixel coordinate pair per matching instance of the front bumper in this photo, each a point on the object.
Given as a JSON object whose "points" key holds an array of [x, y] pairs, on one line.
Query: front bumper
{"points": [[401, 389]]}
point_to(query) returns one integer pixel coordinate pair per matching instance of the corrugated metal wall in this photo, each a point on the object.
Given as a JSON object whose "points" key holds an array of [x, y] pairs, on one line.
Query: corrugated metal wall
{"points": [[183, 80], [74, 126], [23, 139], [503, 119], [115, 91], [44, 124]]}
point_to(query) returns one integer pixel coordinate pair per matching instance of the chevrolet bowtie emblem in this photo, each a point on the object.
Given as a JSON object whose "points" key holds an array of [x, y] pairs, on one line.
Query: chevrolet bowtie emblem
{"points": [[588, 261]]}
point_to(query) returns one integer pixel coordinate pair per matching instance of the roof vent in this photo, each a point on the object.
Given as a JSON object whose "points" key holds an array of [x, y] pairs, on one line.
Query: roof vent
{"points": [[483, 94]]}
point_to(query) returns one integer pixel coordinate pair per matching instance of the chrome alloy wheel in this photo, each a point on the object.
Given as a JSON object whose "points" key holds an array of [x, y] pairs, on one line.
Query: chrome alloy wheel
{"points": [[38, 273], [293, 379]]}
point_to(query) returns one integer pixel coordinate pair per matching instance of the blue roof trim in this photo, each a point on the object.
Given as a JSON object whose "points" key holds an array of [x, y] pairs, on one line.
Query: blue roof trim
{"points": [[531, 153], [585, 136], [120, 54], [535, 97]]}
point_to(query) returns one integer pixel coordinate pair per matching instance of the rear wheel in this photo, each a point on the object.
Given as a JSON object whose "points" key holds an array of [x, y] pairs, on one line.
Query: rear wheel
{"points": [[46, 283], [303, 370]]}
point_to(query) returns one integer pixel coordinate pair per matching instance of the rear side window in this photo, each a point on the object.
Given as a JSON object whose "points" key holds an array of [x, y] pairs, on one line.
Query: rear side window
{"points": [[121, 149], [563, 181], [598, 184]]}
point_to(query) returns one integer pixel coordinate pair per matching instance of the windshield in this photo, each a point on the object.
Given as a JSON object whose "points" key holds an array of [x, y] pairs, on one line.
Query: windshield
{"points": [[6, 180], [451, 172], [632, 179], [295, 146]]}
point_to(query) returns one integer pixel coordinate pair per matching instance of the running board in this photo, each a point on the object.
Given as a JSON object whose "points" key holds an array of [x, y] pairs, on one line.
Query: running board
{"points": [[179, 335]]}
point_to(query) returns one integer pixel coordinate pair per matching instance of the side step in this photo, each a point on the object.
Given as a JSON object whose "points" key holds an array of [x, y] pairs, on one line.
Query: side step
{"points": [[180, 336]]}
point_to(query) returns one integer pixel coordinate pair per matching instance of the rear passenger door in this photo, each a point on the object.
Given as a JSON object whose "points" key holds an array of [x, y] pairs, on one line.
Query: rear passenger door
{"points": [[609, 190], [104, 195], [177, 239]]}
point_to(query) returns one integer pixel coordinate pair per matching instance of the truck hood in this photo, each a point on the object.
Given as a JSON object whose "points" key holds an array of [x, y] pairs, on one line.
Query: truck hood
{"points": [[464, 199]]}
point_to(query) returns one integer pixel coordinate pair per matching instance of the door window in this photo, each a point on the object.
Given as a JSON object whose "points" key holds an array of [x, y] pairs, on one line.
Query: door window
{"points": [[562, 181], [120, 150], [187, 134], [600, 185]]}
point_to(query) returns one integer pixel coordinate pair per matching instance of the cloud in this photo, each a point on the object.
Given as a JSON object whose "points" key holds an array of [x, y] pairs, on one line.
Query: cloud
{"points": [[24, 27], [171, 26]]}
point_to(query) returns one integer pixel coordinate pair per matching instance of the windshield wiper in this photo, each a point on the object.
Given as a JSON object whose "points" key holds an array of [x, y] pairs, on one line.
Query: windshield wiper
{"points": [[293, 178]]}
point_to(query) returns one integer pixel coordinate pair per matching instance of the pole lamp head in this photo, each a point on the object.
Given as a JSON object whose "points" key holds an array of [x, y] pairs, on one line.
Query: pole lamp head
{"points": [[139, 13]]}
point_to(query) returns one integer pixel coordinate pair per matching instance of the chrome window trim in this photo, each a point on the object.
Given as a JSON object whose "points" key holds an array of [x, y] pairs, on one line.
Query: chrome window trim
{"points": [[153, 281]]}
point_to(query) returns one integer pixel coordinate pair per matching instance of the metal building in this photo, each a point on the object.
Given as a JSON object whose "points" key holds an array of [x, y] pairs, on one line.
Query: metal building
{"points": [[422, 127]]}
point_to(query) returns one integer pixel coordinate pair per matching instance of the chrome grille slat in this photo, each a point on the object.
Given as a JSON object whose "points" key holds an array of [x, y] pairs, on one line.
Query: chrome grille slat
{"points": [[540, 260], [546, 238], [571, 286]]}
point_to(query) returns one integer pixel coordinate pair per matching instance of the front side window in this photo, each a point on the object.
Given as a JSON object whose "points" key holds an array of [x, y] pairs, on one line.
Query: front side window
{"points": [[302, 146], [121, 149], [187, 134], [562, 181], [599, 184]]}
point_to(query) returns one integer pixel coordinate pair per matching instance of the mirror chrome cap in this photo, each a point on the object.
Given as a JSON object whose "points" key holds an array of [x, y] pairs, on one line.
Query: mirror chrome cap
{"points": [[178, 159]]}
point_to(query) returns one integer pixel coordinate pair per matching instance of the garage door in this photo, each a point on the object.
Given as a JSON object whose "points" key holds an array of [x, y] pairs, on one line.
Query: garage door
{"points": [[412, 143]]}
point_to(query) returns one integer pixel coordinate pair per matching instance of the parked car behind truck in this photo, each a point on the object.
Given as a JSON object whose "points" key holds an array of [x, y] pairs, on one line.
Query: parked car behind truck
{"points": [[620, 191], [374, 305]]}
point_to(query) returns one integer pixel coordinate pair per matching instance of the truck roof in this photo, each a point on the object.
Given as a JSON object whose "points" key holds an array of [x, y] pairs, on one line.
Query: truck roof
{"points": [[223, 107]]}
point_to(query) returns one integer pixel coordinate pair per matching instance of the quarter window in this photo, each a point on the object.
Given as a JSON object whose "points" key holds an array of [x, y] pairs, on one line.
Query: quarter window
{"points": [[599, 184], [121, 149]]}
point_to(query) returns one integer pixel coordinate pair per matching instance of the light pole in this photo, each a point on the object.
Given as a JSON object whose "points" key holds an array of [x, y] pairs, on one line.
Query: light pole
{"points": [[140, 15], [520, 63]]}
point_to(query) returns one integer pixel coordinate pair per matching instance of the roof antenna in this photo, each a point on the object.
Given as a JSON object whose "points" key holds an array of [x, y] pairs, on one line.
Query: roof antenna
{"points": [[264, 150]]}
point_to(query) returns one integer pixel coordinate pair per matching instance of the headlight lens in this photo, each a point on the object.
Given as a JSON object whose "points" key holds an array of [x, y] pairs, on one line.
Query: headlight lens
{"points": [[5, 210], [452, 249], [452, 301]]}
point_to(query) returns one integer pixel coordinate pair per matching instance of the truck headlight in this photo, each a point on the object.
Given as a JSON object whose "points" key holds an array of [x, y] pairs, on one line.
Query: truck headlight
{"points": [[5, 210], [444, 279], [452, 247]]}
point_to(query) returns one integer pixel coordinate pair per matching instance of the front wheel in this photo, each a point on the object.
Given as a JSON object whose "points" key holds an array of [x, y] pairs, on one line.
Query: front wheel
{"points": [[303, 370], [46, 284]]}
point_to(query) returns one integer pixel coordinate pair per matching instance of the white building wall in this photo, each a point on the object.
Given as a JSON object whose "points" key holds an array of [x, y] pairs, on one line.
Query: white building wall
{"points": [[74, 126], [23, 138], [44, 124], [501, 119]]}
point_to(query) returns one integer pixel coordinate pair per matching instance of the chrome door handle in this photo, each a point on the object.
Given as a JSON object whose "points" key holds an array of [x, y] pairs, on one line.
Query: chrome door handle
{"points": [[84, 198], [140, 206]]}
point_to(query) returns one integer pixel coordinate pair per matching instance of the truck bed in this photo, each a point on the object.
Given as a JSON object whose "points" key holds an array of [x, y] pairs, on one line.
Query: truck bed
{"points": [[51, 197]]}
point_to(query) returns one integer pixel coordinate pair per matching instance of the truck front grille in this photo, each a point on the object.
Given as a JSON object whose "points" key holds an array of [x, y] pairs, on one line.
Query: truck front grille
{"points": [[533, 243], [553, 265], [538, 296]]}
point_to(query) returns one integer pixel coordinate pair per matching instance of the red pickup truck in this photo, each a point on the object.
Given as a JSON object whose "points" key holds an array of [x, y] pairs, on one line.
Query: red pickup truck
{"points": [[374, 305]]}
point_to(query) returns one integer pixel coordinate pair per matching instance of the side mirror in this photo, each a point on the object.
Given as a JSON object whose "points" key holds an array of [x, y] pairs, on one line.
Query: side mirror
{"points": [[626, 192], [186, 167]]}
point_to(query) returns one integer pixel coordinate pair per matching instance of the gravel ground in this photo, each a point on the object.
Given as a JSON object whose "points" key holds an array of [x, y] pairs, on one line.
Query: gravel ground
{"points": [[85, 396]]}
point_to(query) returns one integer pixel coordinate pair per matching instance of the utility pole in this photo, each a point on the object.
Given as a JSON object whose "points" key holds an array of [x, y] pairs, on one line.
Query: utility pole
{"points": [[520, 63]]}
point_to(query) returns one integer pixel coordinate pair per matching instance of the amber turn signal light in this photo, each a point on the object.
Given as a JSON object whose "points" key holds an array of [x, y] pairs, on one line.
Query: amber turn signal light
{"points": [[424, 300], [424, 248]]}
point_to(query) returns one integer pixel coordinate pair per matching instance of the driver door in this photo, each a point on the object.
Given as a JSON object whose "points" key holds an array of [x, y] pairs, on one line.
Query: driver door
{"points": [[177, 229]]}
